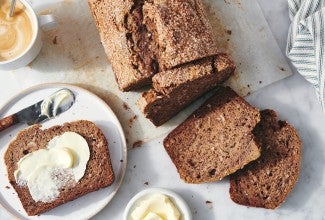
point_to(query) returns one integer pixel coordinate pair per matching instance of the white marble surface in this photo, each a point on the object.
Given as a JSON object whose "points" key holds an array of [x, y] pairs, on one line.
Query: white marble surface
{"points": [[295, 102]]}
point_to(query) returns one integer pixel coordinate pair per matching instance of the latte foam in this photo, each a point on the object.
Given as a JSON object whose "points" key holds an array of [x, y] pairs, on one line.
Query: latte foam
{"points": [[16, 32]]}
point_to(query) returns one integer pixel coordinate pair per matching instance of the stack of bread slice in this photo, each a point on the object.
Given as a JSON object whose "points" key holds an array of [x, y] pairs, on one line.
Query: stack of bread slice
{"points": [[226, 135]]}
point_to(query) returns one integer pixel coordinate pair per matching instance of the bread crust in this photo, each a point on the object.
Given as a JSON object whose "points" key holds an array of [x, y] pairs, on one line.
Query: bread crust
{"points": [[99, 172], [183, 30], [267, 181]]}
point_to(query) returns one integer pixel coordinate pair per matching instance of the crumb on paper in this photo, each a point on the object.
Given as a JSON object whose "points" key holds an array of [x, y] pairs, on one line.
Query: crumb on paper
{"points": [[121, 161], [125, 106], [146, 183], [134, 166], [131, 120], [260, 82], [209, 204], [137, 144], [248, 85], [282, 69], [229, 32], [7, 187]]}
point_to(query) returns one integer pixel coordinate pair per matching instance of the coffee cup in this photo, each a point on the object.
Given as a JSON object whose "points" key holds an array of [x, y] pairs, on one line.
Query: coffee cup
{"points": [[21, 35]]}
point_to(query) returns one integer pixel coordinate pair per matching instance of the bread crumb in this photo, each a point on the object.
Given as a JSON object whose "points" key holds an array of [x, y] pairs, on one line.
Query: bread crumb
{"points": [[131, 120], [55, 41], [7, 187], [146, 183], [134, 166], [282, 69], [125, 106], [209, 203], [121, 161], [137, 144], [229, 32]]}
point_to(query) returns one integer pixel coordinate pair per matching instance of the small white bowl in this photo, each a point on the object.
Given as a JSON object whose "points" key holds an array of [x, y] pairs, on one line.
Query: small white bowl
{"points": [[175, 198]]}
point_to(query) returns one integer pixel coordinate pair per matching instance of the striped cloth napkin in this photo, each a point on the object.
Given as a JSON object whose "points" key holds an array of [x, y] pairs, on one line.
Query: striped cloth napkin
{"points": [[306, 42]]}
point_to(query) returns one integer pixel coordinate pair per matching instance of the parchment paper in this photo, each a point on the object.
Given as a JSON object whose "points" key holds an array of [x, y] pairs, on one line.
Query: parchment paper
{"points": [[72, 53]]}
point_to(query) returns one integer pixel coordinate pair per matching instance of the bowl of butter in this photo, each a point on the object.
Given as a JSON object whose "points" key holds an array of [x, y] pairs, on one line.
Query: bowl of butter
{"points": [[157, 204]]}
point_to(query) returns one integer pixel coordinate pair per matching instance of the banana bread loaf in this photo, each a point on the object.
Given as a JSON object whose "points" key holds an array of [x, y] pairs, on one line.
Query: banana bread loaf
{"points": [[142, 38]]}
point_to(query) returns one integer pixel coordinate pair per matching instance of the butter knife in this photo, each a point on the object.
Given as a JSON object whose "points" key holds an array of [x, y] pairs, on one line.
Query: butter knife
{"points": [[50, 107]]}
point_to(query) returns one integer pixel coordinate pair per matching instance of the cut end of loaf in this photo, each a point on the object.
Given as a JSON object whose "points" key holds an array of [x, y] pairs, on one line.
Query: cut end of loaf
{"points": [[177, 88], [267, 181]]}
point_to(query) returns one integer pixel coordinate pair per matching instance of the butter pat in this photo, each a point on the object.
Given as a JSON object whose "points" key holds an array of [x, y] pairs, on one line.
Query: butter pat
{"points": [[45, 171], [152, 216], [155, 207]]}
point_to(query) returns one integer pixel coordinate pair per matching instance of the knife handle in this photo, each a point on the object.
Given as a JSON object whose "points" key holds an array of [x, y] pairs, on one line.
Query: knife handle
{"points": [[8, 121]]}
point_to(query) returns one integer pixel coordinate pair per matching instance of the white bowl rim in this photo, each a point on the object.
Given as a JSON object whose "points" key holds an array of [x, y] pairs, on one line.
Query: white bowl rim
{"points": [[176, 199]]}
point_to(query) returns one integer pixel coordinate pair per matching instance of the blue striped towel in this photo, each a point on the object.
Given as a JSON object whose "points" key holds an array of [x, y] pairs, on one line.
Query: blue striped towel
{"points": [[306, 42]]}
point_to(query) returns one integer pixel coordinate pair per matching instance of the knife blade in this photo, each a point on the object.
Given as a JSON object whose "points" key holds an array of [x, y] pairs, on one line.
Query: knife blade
{"points": [[55, 104]]}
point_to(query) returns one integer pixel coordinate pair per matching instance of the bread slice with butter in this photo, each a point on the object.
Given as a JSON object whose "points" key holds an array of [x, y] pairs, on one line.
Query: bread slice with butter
{"points": [[97, 174]]}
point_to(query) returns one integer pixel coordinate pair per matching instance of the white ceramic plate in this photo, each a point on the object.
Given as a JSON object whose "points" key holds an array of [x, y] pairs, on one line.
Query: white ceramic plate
{"points": [[87, 106]]}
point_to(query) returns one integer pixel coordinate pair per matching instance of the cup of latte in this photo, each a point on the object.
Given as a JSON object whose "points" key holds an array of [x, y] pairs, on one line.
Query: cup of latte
{"points": [[20, 35]]}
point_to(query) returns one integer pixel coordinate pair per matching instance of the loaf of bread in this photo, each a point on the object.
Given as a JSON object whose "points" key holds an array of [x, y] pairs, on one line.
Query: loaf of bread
{"points": [[216, 140], [175, 89], [98, 174], [142, 38], [267, 181]]}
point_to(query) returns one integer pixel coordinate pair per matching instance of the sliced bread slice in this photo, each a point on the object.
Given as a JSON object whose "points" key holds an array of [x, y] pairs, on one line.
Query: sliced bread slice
{"points": [[98, 174], [177, 88], [216, 140], [267, 181]]}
